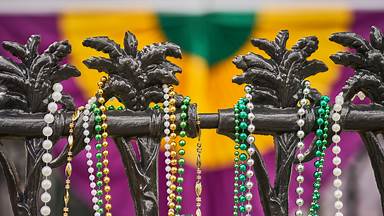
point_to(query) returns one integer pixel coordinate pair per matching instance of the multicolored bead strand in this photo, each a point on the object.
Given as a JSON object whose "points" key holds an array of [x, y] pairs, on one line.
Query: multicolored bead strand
{"points": [[89, 155], [171, 168], [99, 115], [181, 152], [336, 110], [198, 183], [47, 144], [300, 146], [251, 150], [321, 143], [167, 139], [68, 167]]}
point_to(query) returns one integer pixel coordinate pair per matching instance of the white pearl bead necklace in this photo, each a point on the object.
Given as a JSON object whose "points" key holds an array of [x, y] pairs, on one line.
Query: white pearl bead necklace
{"points": [[300, 146], [336, 151], [47, 144], [88, 155], [251, 150], [167, 131]]}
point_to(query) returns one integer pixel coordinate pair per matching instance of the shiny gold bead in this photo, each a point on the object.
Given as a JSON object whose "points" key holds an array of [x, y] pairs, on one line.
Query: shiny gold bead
{"points": [[173, 135], [170, 88], [108, 197], [106, 171], [101, 100], [105, 153], [173, 154], [172, 117], [107, 188], [172, 196], [173, 178], [104, 126], [171, 214], [105, 162], [172, 101], [108, 207], [104, 134], [108, 214], [103, 79], [103, 117], [102, 108], [105, 144], [172, 109], [172, 126], [106, 179], [173, 162], [100, 84], [173, 170], [171, 205], [100, 91], [172, 187]]}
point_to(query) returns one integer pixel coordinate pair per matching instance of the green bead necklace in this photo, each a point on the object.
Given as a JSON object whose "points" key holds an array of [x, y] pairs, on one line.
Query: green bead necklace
{"points": [[241, 125], [181, 161], [321, 143]]}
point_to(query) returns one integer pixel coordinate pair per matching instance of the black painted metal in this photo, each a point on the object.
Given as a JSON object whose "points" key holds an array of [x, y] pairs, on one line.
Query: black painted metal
{"points": [[136, 78]]}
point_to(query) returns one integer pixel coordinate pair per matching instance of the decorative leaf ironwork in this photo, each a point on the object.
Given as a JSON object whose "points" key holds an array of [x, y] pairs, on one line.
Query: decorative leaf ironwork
{"points": [[277, 80], [136, 76]]}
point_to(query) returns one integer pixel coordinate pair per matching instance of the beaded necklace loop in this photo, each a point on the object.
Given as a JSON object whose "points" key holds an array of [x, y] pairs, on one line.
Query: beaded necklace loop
{"points": [[303, 110], [68, 167], [47, 144], [321, 143], [336, 150]]}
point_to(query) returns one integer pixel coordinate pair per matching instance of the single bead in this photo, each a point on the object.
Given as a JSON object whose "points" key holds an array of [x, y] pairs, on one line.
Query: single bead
{"points": [[338, 194], [46, 171], [338, 205], [45, 210], [47, 144], [300, 202], [336, 149], [57, 87], [47, 131], [300, 122], [56, 96], [46, 184]]}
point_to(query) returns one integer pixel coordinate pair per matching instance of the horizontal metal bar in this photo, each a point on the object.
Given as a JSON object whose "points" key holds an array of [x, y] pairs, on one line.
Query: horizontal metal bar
{"points": [[127, 123]]}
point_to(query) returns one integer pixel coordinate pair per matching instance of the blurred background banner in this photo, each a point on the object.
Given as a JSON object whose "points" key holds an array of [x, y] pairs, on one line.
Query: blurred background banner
{"points": [[211, 34]]}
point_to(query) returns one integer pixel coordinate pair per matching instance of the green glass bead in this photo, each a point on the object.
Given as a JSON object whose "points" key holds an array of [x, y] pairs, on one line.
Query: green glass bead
{"points": [[237, 128], [243, 157], [236, 172], [243, 115], [181, 152], [235, 213], [242, 198], [324, 142], [243, 125], [93, 106], [325, 136], [156, 106], [237, 134], [179, 198], [242, 177], [183, 124], [326, 123], [320, 121], [99, 183], [242, 107], [98, 119], [318, 153], [325, 129], [99, 155], [99, 165], [98, 137], [183, 115], [319, 143], [243, 146], [236, 185], [320, 111], [242, 209], [317, 174], [237, 146], [236, 153], [236, 110], [235, 207], [243, 188], [243, 167], [236, 160], [180, 170], [99, 192], [98, 146], [120, 108], [235, 198], [183, 133], [237, 140], [319, 132], [100, 210], [97, 111], [180, 180], [111, 107], [97, 128], [316, 206], [323, 148], [181, 161], [318, 163], [235, 191], [182, 142], [243, 136], [178, 208], [237, 121], [326, 117], [323, 103], [179, 189], [99, 174], [316, 185], [184, 107], [100, 202], [322, 160], [325, 98]]}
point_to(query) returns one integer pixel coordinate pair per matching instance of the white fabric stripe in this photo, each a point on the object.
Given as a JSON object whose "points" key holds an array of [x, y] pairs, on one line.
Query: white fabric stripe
{"points": [[177, 6]]}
